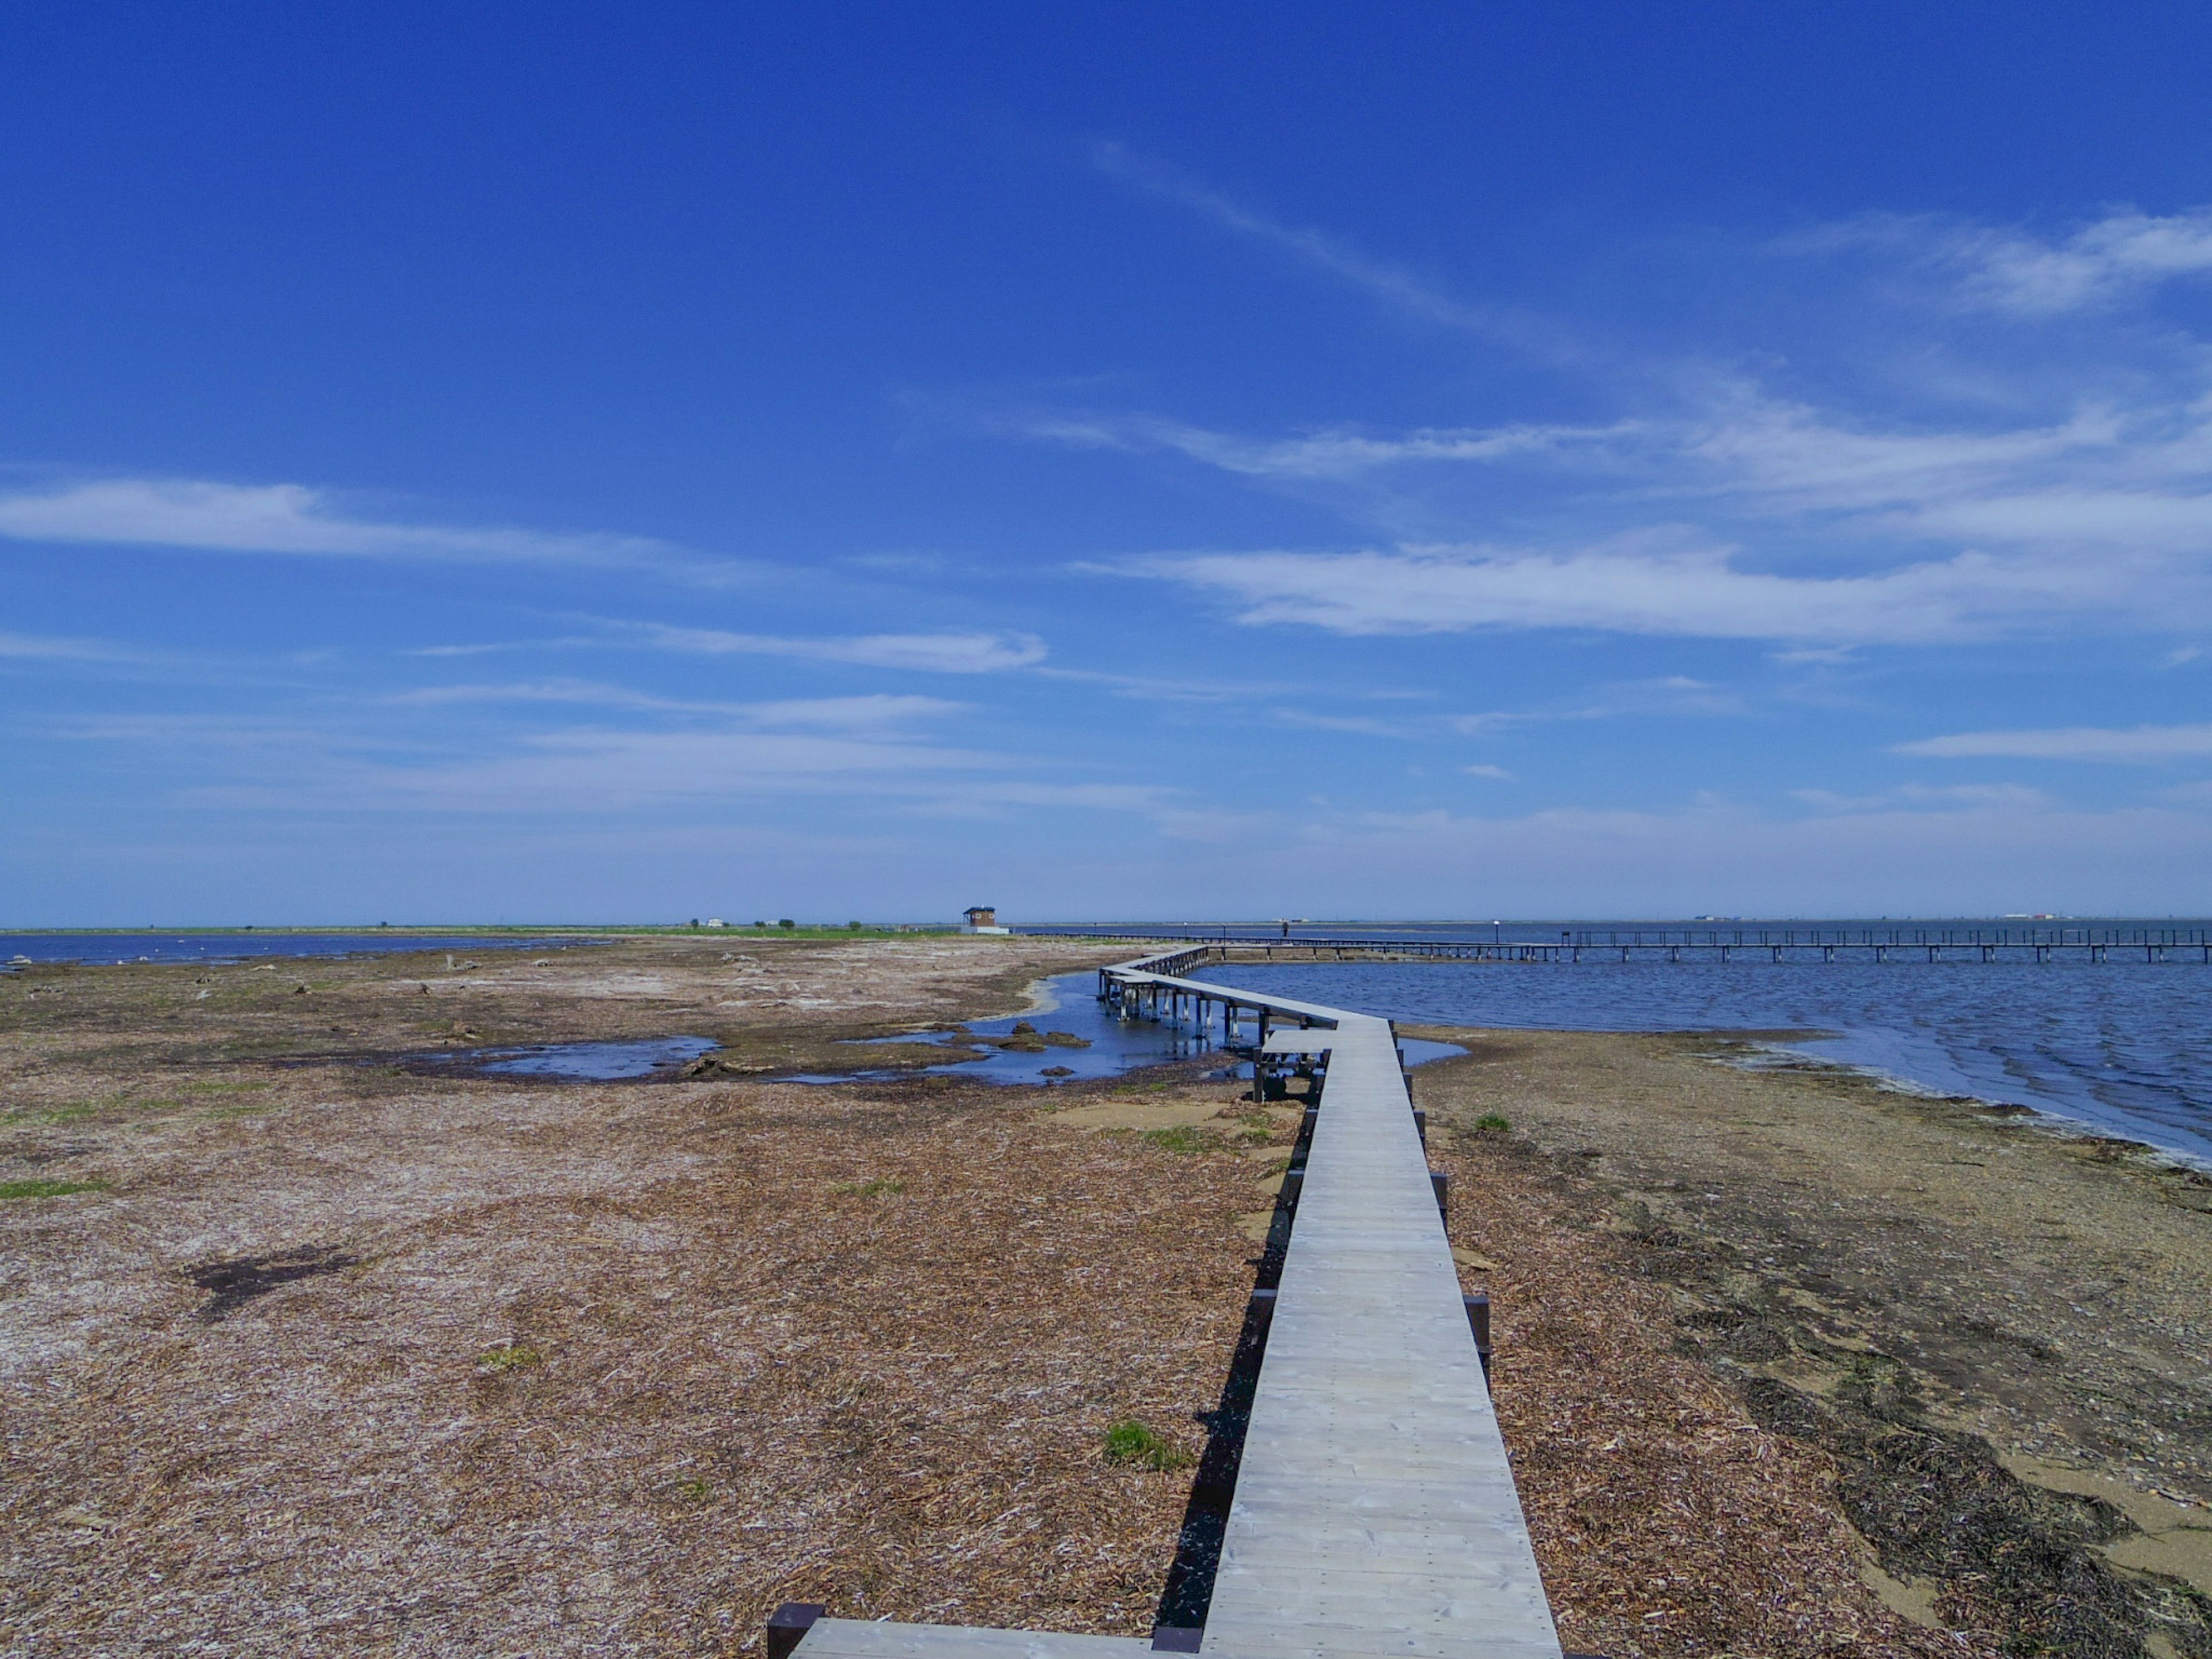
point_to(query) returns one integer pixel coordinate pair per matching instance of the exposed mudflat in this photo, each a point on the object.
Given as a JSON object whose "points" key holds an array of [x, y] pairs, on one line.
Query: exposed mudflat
{"points": [[308, 1347]]}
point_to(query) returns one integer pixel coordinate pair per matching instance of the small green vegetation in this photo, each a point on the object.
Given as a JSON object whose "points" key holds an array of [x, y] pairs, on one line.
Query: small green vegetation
{"points": [[1491, 1123], [48, 1188], [881, 1187], [1137, 1443], [70, 1114], [1183, 1138], [510, 1357], [695, 1492]]}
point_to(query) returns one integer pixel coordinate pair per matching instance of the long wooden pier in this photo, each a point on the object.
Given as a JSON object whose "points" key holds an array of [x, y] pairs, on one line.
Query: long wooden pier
{"points": [[1933, 945], [1373, 1514]]}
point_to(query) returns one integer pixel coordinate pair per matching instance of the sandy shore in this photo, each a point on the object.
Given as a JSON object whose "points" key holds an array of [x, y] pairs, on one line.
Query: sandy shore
{"points": [[327, 1351]]}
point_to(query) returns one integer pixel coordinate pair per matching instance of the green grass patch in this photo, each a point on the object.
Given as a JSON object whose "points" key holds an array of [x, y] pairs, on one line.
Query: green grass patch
{"points": [[696, 1491], [1140, 1445], [48, 1188], [883, 1187], [510, 1357], [1491, 1123], [68, 1113]]}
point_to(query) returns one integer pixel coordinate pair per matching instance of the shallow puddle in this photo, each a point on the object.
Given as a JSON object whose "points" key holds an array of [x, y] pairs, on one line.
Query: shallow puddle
{"points": [[1104, 1045], [590, 1063]]}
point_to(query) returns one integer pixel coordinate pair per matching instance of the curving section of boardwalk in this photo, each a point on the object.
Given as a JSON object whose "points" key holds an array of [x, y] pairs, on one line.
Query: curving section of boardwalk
{"points": [[1374, 1512]]}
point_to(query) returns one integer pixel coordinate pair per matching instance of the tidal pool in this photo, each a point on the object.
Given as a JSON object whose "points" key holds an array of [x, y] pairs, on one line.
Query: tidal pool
{"points": [[588, 1062]]}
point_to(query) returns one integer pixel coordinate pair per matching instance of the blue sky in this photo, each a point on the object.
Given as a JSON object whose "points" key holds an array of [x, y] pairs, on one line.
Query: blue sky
{"points": [[578, 462]]}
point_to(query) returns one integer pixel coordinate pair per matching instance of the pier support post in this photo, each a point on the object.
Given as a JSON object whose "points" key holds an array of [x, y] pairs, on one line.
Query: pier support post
{"points": [[788, 1623], [1478, 1320]]}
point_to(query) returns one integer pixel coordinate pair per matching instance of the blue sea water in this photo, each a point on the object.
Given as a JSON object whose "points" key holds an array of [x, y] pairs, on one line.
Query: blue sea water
{"points": [[106, 949], [2121, 1047]]}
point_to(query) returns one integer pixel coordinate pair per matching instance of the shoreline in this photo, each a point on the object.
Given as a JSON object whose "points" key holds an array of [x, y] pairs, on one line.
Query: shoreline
{"points": [[1933, 1307], [2040, 1119]]}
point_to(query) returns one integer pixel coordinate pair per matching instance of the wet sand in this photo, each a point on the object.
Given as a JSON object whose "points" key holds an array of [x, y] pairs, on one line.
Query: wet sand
{"points": [[330, 1351]]}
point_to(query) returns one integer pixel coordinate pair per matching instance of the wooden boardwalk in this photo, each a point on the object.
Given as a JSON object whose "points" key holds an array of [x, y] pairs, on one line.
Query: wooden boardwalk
{"points": [[1374, 1514], [2158, 945]]}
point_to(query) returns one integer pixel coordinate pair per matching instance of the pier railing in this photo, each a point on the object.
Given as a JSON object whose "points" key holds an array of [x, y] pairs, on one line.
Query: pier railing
{"points": [[2150, 944]]}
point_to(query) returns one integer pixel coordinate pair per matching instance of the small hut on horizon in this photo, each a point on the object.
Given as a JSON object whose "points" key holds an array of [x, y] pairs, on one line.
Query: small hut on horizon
{"points": [[984, 919]]}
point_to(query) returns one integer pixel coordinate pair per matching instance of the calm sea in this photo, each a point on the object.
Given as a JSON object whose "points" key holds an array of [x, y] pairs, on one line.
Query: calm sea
{"points": [[2123, 1047], [104, 949]]}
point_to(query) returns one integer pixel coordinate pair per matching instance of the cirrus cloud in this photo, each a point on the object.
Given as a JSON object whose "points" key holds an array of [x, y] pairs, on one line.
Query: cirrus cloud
{"points": [[955, 653], [299, 521], [2137, 744], [1640, 584]]}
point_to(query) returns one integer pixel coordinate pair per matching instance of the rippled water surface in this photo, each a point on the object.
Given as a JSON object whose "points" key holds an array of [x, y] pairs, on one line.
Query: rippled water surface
{"points": [[118, 948], [2125, 1048]]}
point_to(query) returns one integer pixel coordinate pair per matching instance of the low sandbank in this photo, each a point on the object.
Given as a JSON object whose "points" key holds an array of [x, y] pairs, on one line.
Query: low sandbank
{"points": [[305, 1345]]}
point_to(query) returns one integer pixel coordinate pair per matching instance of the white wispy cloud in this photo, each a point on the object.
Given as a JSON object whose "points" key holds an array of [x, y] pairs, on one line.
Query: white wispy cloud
{"points": [[1306, 719], [1337, 452], [1395, 286], [2098, 262], [1717, 508], [297, 519], [943, 653], [735, 758], [596, 770], [1662, 694], [51, 648], [1925, 797], [2137, 744], [2012, 269], [2137, 478], [846, 714], [1638, 586]]}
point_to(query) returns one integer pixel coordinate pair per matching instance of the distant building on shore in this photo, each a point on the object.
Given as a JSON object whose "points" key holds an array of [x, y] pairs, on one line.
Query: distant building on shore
{"points": [[984, 919]]}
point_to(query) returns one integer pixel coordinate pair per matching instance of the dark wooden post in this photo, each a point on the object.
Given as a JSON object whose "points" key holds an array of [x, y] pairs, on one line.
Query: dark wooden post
{"points": [[1478, 1320], [788, 1623]]}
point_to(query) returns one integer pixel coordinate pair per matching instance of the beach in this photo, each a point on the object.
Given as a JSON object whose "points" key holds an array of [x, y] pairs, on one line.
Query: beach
{"points": [[317, 1339]]}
